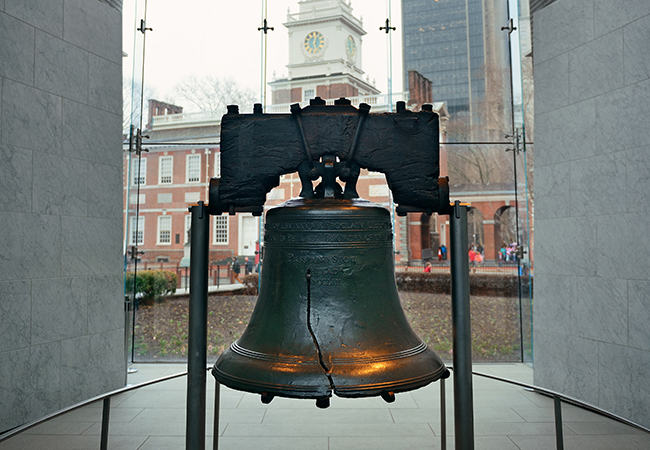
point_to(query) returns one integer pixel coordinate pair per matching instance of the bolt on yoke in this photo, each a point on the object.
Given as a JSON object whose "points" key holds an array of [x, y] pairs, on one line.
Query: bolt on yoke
{"points": [[330, 143]]}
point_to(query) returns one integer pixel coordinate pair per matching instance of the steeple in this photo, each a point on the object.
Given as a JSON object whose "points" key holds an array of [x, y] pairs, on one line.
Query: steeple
{"points": [[325, 45]]}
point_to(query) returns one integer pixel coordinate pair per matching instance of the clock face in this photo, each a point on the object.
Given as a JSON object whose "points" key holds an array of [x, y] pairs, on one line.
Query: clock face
{"points": [[314, 42], [350, 47]]}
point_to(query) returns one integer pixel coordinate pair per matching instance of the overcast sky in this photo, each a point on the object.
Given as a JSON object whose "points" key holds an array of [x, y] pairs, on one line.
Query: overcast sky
{"points": [[220, 37]]}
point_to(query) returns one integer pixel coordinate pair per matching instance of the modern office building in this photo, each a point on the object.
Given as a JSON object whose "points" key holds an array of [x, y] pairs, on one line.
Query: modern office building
{"points": [[459, 46]]}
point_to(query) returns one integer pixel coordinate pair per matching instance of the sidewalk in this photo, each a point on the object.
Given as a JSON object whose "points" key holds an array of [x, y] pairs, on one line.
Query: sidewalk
{"points": [[221, 288]]}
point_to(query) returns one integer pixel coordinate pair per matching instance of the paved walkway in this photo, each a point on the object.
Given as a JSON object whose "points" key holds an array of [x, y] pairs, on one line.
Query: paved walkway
{"points": [[506, 417]]}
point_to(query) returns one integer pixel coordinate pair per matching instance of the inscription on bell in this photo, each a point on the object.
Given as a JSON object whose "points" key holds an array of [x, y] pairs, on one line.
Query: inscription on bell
{"points": [[308, 259]]}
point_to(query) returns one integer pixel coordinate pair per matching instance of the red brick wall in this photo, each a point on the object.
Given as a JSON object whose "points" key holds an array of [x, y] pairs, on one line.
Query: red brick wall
{"points": [[419, 90], [336, 90]]}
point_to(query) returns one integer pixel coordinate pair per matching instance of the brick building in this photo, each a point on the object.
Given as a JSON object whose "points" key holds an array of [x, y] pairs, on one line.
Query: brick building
{"points": [[183, 152]]}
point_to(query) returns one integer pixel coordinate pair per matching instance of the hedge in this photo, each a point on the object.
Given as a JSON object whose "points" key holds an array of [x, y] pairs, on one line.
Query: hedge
{"points": [[152, 284], [504, 285]]}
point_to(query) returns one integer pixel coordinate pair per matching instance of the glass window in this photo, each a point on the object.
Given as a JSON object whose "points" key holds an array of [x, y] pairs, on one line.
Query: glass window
{"points": [[221, 229], [141, 177], [165, 170], [164, 229], [193, 168], [137, 231]]}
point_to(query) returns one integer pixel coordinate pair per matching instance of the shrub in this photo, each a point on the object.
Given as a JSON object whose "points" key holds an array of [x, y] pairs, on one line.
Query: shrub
{"points": [[152, 284], [250, 284]]}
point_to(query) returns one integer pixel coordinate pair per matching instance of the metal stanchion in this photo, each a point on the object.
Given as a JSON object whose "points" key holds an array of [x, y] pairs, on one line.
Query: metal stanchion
{"points": [[106, 415], [128, 310], [462, 334], [443, 415], [217, 400], [198, 328], [559, 436]]}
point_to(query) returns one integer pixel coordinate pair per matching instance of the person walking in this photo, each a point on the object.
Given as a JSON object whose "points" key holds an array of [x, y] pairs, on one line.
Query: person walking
{"points": [[236, 268], [472, 258], [248, 266]]}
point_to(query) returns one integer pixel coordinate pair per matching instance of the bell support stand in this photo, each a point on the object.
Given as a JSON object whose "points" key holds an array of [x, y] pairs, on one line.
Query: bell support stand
{"points": [[198, 328], [461, 325], [328, 142]]}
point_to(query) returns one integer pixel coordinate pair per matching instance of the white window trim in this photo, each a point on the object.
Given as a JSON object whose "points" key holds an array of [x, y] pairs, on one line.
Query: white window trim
{"points": [[187, 168], [143, 171], [160, 220], [132, 229], [223, 218], [171, 170]]}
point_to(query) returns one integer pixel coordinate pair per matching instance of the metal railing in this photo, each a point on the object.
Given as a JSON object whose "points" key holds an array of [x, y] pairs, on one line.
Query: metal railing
{"points": [[487, 266], [558, 398], [218, 274], [379, 102], [106, 409]]}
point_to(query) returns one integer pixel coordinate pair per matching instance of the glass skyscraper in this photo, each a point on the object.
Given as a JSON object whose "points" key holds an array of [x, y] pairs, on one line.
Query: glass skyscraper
{"points": [[453, 44]]}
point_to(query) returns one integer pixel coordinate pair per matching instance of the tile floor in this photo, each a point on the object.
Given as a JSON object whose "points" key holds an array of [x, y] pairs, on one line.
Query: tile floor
{"points": [[506, 417]]}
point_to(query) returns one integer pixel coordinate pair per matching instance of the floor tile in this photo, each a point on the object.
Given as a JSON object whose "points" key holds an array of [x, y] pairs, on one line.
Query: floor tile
{"points": [[387, 443], [324, 430], [24, 442]]}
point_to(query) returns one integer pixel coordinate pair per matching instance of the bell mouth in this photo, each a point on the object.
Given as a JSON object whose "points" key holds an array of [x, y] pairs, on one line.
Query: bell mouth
{"points": [[304, 378]]}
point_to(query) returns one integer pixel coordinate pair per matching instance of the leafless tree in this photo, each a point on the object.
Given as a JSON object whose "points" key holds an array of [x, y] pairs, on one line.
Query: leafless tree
{"points": [[209, 93], [131, 94]]}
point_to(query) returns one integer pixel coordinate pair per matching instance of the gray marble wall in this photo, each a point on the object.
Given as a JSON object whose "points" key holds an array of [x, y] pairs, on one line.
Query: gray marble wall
{"points": [[592, 202], [61, 303]]}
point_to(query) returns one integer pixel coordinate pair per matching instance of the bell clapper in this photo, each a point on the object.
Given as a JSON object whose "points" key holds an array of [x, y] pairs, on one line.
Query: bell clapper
{"points": [[323, 403], [389, 397], [267, 398]]}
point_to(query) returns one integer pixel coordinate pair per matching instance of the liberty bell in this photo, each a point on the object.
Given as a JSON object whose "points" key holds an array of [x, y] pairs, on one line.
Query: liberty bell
{"points": [[328, 318]]}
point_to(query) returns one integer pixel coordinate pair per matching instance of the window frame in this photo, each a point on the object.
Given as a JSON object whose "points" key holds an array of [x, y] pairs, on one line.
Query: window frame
{"points": [[187, 168], [164, 218], [142, 178], [171, 169], [140, 230], [216, 232]]}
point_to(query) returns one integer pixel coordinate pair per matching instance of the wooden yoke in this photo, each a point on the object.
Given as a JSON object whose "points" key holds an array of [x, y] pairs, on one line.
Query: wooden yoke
{"points": [[329, 142]]}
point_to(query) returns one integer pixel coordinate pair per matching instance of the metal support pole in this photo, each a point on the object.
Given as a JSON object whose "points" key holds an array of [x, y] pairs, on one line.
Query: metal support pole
{"points": [[559, 437], [443, 415], [198, 328], [106, 416], [217, 400], [127, 336], [461, 325]]}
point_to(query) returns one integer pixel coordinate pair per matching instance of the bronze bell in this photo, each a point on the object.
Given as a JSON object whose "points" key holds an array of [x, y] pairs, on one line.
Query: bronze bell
{"points": [[328, 318]]}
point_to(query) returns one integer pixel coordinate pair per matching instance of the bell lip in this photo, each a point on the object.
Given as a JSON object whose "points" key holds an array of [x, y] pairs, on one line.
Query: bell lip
{"points": [[312, 392], [323, 385], [376, 389]]}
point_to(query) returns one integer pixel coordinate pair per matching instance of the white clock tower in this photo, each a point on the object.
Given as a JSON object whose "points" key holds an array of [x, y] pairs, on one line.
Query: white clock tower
{"points": [[324, 54]]}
